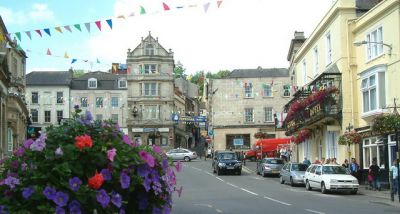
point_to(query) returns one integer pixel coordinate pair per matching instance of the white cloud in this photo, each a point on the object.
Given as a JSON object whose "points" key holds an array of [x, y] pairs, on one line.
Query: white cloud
{"points": [[38, 13], [240, 34]]}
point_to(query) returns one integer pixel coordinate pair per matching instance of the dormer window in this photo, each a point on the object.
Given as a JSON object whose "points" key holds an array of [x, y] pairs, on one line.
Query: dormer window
{"points": [[122, 83], [149, 50], [92, 83]]}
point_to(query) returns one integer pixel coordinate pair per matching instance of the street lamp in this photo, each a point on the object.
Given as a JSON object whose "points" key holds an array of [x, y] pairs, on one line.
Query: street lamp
{"points": [[369, 42]]}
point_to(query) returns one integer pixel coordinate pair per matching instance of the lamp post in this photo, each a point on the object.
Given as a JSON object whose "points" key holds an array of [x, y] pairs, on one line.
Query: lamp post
{"points": [[348, 143], [369, 42]]}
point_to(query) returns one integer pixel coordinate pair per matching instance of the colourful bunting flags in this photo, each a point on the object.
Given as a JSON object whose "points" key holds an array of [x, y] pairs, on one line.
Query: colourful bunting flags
{"points": [[142, 10], [58, 29], [18, 34], [165, 6], [121, 17], [219, 3], [98, 24], [39, 32], [47, 30], [109, 22], [66, 55], [206, 6], [48, 52], [97, 60], [87, 25], [73, 61], [68, 28], [78, 26]]}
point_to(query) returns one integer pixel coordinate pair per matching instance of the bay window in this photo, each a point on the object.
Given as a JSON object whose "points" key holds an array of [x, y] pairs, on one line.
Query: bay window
{"points": [[373, 90]]}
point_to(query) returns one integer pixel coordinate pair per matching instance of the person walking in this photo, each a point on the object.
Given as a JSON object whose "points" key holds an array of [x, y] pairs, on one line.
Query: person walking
{"points": [[346, 164], [395, 184], [354, 168], [375, 173]]}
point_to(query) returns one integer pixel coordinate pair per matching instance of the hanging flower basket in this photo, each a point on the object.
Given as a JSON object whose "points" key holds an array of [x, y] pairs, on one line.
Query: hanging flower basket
{"points": [[300, 137], [260, 135], [386, 123], [349, 138], [86, 166]]}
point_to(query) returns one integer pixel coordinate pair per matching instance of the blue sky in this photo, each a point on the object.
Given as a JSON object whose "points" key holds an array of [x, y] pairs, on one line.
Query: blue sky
{"points": [[239, 34]]}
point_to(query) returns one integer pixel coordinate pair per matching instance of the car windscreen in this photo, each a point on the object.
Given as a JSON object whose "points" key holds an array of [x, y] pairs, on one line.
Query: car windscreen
{"points": [[334, 170], [299, 167], [274, 161], [227, 156]]}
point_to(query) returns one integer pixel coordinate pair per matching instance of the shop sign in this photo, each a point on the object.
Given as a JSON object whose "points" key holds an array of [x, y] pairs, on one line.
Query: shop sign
{"points": [[238, 142], [315, 110]]}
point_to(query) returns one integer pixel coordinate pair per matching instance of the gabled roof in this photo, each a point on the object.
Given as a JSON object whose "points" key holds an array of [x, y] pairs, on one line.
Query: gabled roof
{"points": [[105, 81], [150, 39], [48, 78], [259, 72]]}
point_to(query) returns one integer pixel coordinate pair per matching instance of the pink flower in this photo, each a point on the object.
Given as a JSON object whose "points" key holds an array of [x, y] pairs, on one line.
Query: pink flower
{"points": [[147, 158], [178, 166], [111, 154], [156, 149]]}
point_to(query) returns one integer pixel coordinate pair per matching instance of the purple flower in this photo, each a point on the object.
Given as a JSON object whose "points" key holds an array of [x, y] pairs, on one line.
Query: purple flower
{"points": [[3, 209], [74, 207], [116, 199], [27, 192], [103, 198], [24, 166], [14, 164], [61, 199], [39, 143], [28, 143], [164, 163], [148, 158], [125, 180], [157, 210], [11, 181], [60, 210], [126, 140], [88, 117], [121, 211], [59, 151], [19, 152], [74, 183], [111, 154], [106, 174], [49, 192], [166, 209], [156, 149]]}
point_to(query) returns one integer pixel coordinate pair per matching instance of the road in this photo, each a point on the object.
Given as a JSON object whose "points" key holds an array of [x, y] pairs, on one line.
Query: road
{"points": [[205, 192]]}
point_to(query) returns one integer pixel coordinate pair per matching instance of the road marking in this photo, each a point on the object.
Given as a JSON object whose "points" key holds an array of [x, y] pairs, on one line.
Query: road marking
{"points": [[197, 168], [204, 205], [209, 173], [220, 179], [249, 191], [313, 211], [257, 178], [281, 202], [232, 185], [218, 210]]}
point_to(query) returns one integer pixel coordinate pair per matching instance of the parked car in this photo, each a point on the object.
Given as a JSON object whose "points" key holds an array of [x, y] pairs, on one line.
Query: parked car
{"points": [[293, 173], [226, 161], [330, 177], [181, 154], [269, 166]]}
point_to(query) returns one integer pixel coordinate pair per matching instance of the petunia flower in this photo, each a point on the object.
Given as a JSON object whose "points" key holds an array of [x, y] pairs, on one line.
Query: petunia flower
{"points": [[103, 198], [75, 183], [127, 140], [111, 154], [106, 174], [116, 199], [156, 149], [61, 199], [49, 192], [148, 158], [28, 143], [27, 192], [60, 210], [19, 152], [125, 180], [39, 143], [11, 181], [74, 207], [59, 151]]}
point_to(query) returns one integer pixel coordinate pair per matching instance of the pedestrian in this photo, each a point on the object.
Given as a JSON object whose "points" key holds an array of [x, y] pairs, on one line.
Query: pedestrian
{"points": [[322, 161], [346, 164], [375, 173], [328, 161], [394, 177], [354, 168], [306, 161], [333, 161]]}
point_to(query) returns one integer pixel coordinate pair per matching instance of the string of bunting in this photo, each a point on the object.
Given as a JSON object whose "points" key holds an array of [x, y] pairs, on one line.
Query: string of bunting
{"points": [[99, 23]]}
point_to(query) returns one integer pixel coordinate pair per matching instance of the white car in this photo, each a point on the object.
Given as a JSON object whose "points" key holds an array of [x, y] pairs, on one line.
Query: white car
{"points": [[330, 177], [181, 154]]}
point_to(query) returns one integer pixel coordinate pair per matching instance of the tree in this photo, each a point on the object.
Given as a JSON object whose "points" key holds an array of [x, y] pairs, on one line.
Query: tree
{"points": [[179, 71]]}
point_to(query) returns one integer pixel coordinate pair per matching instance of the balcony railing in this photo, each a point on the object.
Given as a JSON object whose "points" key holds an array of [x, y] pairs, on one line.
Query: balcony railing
{"points": [[318, 101]]}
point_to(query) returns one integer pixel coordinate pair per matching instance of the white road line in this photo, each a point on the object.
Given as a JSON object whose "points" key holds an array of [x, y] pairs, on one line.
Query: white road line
{"points": [[197, 168], [204, 205], [220, 179], [257, 178], [218, 210], [209, 173], [313, 211], [232, 185], [277, 201], [249, 191]]}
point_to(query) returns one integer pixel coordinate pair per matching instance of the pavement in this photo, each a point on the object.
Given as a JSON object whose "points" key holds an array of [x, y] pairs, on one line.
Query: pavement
{"points": [[382, 196]]}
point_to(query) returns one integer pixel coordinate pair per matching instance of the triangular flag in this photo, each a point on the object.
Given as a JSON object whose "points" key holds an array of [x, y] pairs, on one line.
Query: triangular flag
{"points": [[97, 60], [219, 3], [165, 6], [78, 26], [109, 22], [47, 30], [39, 32], [132, 14], [98, 24], [121, 17], [142, 10], [68, 28], [48, 52], [58, 29], [179, 7], [206, 6], [18, 34], [87, 25], [85, 60], [66, 55], [73, 61]]}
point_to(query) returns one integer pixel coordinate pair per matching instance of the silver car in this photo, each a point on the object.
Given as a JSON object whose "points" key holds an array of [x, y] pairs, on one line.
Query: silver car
{"points": [[181, 154], [293, 173], [269, 166]]}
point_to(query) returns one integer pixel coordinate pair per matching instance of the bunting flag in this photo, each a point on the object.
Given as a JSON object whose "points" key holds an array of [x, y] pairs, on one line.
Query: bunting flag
{"points": [[132, 14], [97, 60], [121, 17], [98, 24], [206, 6], [179, 7], [73, 61], [142, 10], [219, 3], [109, 22], [28, 33], [193, 5], [18, 34], [66, 55], [87, 25], [68, 28], [39, 32], [48, 52], [78, 26], [58, 29], [165, 6], [47, 30]]}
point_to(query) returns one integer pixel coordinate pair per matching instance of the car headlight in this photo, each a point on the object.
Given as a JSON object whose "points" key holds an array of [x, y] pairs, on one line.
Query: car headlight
{"points": [[333, 180], [238, 164], [266, 167], [221, 164], [355, 182]]}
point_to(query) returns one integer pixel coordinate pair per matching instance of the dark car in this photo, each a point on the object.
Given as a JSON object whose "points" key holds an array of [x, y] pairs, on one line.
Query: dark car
{"points": [[226, 161]]}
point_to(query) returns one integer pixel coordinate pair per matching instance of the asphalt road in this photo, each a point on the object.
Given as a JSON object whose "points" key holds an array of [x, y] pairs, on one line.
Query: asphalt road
{"points": [[205, 192]]}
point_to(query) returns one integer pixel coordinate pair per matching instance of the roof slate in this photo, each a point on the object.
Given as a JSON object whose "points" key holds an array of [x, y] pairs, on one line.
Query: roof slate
{"points": [[105, 81], [259, 72], [48, 78]]}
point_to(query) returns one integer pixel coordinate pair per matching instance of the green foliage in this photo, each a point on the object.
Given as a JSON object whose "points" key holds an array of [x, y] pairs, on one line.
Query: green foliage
{"points": [[349, 138], [179, 71], [386, 123]]}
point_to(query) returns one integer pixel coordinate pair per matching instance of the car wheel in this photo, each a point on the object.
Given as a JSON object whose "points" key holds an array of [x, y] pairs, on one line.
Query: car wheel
{"points": [[323, 188], [239, 172], [291, 181], [186, 159], [263, 174], [281, 180], [214, 170], [308, 187], [218, 171], [353, 192]]}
